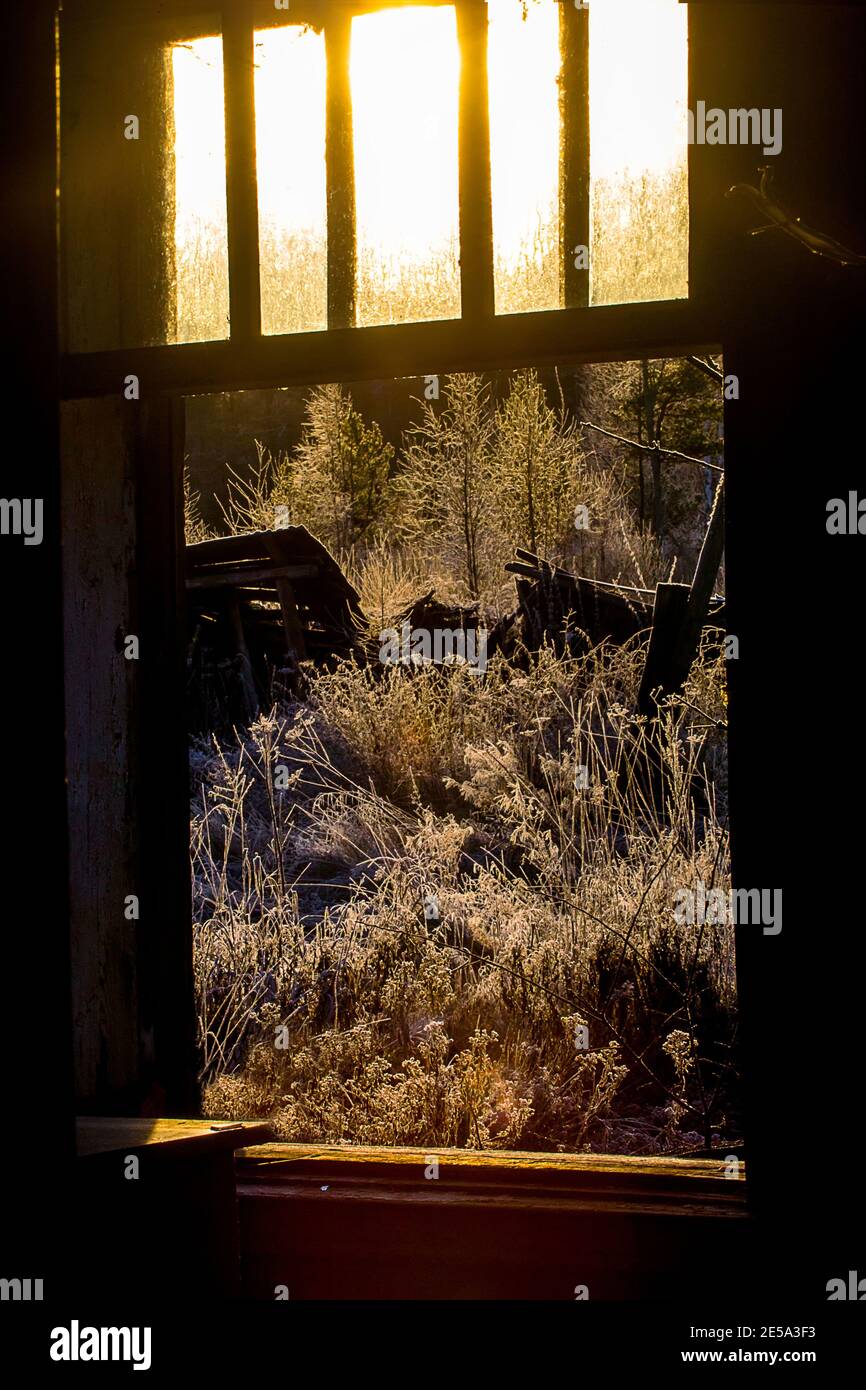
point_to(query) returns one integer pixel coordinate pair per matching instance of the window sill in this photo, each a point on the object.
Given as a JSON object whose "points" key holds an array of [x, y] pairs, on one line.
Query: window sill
{"points": [[580, 1182], [365, 1223]]}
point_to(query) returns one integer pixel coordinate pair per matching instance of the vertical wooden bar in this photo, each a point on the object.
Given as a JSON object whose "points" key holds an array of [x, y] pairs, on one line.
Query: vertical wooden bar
{"points": [[295, 642], [476, 204], [248, 685], [242, 207], [166, 994], [574, 155], [340, 161]]}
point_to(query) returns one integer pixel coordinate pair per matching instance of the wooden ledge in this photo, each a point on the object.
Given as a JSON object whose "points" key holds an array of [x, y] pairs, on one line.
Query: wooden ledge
{"points": [[579, 1182], [164, 1138]]}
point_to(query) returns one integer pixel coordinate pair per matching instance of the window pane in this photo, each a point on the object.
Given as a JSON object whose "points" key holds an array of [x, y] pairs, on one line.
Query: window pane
{"points": [[142, 184], [405, 70], [200, 226], [523, 68], [638, 66], [290, 160]]}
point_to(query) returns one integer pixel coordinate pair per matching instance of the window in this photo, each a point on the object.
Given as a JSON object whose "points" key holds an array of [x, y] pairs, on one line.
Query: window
{"points": [[313, 269], [374, 165]]}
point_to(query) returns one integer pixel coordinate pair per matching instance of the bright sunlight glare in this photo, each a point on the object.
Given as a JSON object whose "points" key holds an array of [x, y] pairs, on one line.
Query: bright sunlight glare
{"points": [[200, 226], [405, 70], [290, 163]]}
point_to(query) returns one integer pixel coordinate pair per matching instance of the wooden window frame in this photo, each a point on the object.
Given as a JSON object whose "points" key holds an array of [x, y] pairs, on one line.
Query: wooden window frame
{"points": [[481, 341], [480, 338]]}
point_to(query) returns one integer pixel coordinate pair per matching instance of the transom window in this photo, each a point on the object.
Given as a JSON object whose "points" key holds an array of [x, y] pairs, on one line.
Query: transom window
{"points": [[344, 165]]}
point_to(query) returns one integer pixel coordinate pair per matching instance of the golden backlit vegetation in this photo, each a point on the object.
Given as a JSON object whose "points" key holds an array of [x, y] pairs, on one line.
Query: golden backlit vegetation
{"points": [[404, 78], [320, 833]]}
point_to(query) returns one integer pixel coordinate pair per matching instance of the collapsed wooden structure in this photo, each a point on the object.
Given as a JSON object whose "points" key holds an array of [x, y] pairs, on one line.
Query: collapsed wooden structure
{"points": [[260, 604], [257, 606]]}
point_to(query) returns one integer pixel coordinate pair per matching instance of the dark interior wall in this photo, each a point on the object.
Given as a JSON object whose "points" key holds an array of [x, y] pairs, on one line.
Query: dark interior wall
{"points": [[37, 1090], [792, 333]]}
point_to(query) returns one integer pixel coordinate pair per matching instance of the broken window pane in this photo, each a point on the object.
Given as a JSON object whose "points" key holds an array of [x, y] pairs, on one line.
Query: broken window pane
{"points": [[523, 72], [638, 66], [405, 69], [290, 161]]}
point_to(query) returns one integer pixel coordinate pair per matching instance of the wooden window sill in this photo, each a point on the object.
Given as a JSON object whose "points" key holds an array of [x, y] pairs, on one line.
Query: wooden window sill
{"points": [[673, 1186]]}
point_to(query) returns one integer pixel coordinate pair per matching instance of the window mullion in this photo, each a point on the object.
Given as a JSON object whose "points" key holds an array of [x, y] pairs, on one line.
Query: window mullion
{"points": [[340, 161], [241, 187], [476, 214], [574, 156]]}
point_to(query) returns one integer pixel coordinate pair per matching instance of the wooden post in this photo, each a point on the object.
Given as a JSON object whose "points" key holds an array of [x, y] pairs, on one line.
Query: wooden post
{"points": [[574, 153], [340, 175], [247, 683], [476, 203], [706, 572], [678, 618], [161, 789], [669, 611]]}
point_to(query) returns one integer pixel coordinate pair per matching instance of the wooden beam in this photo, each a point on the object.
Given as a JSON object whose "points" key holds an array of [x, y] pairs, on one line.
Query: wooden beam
{"points": [[340, 173], [476, 203], [161, 789], [574, 153], [242, 208], [237, 576], [613, 332]]}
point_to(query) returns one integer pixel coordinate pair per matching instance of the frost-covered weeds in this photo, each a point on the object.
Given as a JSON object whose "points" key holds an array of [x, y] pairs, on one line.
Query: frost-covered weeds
{"points": [[546, 999]]}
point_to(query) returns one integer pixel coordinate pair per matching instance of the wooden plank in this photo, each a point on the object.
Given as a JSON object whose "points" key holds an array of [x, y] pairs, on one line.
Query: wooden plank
{"points": [[476, 202], [166, 1022], [609, 332], [99, 1135], [574, 153], [248, 686], [340, 173], [291, 622], [101, 751], [241, 187], [237, 577], [668, 613], [226, 548], [275, 1158], [288, 605], [343, 1230]]}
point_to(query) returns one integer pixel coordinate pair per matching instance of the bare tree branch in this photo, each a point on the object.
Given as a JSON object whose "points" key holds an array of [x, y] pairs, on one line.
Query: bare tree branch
{"points": [[654, 448]]}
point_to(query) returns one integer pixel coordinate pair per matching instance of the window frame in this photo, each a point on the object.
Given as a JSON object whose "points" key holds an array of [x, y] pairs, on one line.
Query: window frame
{"points": [[480, 338], [248, 359]]}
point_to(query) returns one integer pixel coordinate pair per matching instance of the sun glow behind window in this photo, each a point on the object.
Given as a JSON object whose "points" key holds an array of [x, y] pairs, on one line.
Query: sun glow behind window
{"points": [[290, 163], [200, 225], [405, 68], [523, 69], [405, 73], [638, 92]]}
